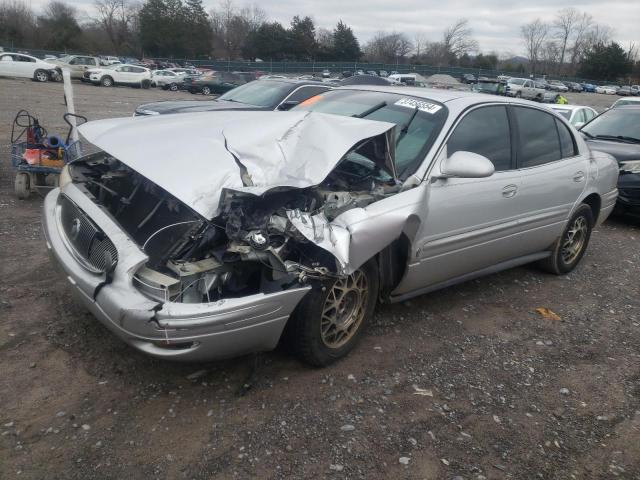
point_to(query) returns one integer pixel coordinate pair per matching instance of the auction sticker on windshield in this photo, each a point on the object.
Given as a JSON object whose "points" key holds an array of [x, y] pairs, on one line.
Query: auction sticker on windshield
{"points": [[419, 104]]}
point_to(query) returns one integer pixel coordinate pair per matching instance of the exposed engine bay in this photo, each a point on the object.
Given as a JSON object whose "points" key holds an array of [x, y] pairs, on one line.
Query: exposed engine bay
{"points": [[253, 245]]}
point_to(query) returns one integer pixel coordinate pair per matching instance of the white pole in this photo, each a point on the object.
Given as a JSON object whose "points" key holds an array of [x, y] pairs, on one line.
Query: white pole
{"points": [[68, 94]]}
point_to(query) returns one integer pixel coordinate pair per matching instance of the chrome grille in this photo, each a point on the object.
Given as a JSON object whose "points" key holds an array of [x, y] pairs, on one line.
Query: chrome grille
{"points": [[91, 246]]}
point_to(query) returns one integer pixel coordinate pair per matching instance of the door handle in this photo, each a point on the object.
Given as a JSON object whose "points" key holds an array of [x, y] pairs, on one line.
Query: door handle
{"points": [[509, 191], [578, 176]]}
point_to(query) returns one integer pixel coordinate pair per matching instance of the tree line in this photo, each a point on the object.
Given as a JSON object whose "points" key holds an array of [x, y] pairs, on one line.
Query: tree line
{"points": [[573, 43]]}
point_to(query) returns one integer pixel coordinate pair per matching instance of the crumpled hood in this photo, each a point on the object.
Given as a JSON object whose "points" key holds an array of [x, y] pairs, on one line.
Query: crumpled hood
{"points": [[194, 157]]}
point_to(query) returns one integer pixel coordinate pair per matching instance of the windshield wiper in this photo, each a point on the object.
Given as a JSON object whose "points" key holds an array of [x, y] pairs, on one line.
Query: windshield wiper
{"points": [[405, 127], [369, 111], [618, 137], [586, 133]]}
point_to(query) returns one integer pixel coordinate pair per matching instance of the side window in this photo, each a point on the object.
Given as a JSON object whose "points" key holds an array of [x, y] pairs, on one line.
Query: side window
{"points": [[22, 58], [6, 58], [589, 114], [136, 69], [537, 137], [123, 69], [567, 145], [484, 131], [303, 93]]}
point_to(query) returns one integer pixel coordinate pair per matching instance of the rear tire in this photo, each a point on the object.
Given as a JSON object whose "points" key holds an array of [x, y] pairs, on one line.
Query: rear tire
{"points": [[173, 87], [41, 76], [330, 319], [21, 185], [106, 81], [145, 84], [569, 249], [206, 90]]}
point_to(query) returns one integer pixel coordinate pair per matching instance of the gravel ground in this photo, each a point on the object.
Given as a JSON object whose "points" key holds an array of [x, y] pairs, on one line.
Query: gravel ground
{"points": [[465, 383]]}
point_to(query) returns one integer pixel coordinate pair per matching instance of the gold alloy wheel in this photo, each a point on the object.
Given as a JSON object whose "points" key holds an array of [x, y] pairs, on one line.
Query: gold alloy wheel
{"points": [[574, 240], [344, 309]]}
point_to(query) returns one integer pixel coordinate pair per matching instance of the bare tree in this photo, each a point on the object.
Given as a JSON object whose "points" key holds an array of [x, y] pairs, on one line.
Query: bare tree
{"points": [[118, 19], [581, 31], [564, 24], [457, 39], [534, 35], [419, 43], [388, 47], [17, 24]]}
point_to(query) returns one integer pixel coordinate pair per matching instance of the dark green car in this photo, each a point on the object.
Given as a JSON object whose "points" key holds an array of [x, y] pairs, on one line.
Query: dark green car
{"points": [[213, 83]]}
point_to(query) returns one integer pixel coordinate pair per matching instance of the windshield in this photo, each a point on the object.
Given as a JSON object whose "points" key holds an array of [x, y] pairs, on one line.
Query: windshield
{"points": [[619, 122], [413, 141], [564, 112], [517, 81], [261, 93]]}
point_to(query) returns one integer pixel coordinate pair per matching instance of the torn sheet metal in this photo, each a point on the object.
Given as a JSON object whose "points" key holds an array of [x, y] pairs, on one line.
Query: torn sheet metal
{"points": [[192, 156], [360, 233]]}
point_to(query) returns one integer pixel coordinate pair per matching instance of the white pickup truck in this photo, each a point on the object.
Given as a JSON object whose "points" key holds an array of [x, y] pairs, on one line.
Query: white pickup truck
{"points": [[525, 88]]}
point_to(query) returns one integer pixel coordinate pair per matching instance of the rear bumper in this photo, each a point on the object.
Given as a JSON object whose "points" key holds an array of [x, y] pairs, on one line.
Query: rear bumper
{"points": [[178, 331]]}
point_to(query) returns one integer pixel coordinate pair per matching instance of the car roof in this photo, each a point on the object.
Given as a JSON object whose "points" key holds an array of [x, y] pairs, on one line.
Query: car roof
{"points": [[456, 100], [628, 99], [569, 107]]}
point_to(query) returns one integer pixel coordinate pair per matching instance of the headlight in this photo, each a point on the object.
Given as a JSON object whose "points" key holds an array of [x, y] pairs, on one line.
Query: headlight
{"points": [[65, 177], [631, 166]]}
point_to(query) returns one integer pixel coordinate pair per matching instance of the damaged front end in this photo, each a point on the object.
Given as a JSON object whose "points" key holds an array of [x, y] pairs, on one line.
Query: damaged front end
{"points": [[266, 243]]}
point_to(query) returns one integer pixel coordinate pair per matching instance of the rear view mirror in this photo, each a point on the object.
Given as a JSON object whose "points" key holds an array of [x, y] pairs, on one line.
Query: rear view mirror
{"points": [[467, 165]]}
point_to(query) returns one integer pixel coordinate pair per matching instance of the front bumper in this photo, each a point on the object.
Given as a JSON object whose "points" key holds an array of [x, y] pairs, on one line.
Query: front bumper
{"points": [[179, 331]]}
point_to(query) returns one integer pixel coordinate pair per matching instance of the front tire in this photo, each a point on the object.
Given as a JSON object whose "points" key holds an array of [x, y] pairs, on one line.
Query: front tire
{"points": [[41, 76], [330, 320], [106, 81], [206, 90], [173, 87], [572, 244]]}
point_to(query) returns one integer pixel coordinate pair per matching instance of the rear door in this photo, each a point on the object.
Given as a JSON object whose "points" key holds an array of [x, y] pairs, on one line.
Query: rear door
{"points": [[24, 66], [553, 173]]}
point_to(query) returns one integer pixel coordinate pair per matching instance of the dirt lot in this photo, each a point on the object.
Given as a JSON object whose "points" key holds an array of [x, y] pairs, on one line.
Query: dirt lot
{"points": [[465, 383]]}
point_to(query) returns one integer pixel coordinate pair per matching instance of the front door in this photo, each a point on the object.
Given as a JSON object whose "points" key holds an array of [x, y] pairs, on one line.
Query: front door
{"points": [[472, 223]]}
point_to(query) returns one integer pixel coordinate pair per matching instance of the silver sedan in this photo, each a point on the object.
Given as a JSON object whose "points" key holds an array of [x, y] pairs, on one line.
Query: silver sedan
{"points": [[208, 235]]}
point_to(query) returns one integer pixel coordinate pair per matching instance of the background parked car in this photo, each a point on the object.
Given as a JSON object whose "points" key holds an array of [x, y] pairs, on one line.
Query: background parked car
{"points": [[577, 115], [270, 94], [468, 78], [108, 60], [625, 101], [588, 87], [574, 86], [557, 85], [607, 89], [26, 66], [525, 88], [166, 79], [617, 132], [626, 91], [131, 75], [213, 83], [76, 64]]}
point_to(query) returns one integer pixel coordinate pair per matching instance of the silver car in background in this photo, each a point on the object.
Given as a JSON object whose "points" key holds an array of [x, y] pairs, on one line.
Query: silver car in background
{"points": [[208, 235]]}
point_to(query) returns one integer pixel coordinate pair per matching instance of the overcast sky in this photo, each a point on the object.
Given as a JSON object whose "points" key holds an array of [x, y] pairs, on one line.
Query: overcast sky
{"points": [[496, 23]]}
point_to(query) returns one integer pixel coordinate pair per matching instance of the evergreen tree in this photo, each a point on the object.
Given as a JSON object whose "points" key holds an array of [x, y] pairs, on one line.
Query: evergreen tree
{"points": [[605, 62], [302, 39], [345, 43]]}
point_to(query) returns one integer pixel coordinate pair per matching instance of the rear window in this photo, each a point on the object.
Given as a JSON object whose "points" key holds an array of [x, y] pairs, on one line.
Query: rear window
{"points": [[537, 137], [261, 93]]}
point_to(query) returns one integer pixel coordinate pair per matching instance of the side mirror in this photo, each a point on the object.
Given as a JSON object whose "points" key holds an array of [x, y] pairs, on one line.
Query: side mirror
{"points": [[467, 165], [288, 105], [578, 125]]}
